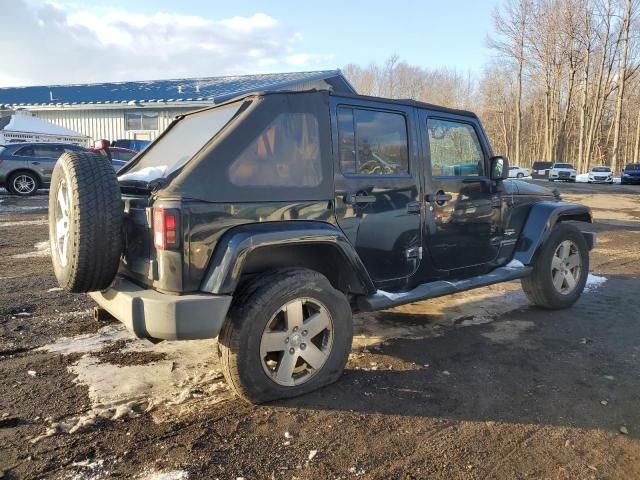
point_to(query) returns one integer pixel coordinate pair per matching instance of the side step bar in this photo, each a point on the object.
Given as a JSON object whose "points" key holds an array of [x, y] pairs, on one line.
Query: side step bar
{"points": [[383, 300]]}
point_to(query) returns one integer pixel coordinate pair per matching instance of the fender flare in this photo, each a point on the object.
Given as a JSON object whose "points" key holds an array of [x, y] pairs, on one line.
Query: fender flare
{"points": [[235, 245], [542, 218]]}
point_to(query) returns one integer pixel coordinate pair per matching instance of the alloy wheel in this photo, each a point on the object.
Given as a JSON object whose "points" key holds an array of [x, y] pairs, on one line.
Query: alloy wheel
{"points": [[296, 342], [62, 223], [24, 184], [566, 267]]}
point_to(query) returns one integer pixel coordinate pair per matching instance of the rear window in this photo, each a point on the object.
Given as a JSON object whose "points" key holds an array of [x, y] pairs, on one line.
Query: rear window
{"points": [[542, 165], [563, 165], [185, 138]]}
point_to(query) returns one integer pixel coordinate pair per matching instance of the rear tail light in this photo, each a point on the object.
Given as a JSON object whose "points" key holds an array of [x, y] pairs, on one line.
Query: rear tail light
{"points": [[166, 228]]}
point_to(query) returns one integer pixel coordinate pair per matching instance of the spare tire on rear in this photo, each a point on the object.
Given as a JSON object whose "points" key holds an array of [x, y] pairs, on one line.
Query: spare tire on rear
{"points": [[85, 222]]}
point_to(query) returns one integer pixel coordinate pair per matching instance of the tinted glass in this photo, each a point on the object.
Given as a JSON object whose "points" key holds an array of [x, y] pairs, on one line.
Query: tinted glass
{"points": [[25, 152], [562, 165], [48, 151], [180, 143], [454, 149], [601, 169], [126, 156], [346, 141], [379, 146], [286, 153], [633, 166]]}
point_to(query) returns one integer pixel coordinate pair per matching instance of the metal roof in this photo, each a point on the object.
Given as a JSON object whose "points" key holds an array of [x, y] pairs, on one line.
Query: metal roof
{"points": [[214, 89]]}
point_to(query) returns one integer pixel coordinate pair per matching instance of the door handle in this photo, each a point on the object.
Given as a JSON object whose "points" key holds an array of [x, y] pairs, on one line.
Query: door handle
{"points": [[413, 207], [359, 199], [440, 198]]}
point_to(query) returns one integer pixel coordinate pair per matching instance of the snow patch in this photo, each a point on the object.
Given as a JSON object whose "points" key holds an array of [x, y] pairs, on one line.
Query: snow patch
{"points": [[146, 174], [392, 296], [172, 475], [514, 265], [23, 223], [188, 378], [42, 249], [593, 282]]}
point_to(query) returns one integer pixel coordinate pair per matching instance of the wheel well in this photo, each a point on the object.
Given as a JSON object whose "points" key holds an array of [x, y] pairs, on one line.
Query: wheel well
{"points": [[323, 258], [24, 170], [577, 217]]}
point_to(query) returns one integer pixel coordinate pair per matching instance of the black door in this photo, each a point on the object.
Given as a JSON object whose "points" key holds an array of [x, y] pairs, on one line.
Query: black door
{"points": [[378, 185], [463, 226]]}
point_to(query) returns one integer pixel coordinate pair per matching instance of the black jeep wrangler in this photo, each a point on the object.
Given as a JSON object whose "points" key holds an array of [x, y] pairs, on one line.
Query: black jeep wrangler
{"points": [[268, 220]]}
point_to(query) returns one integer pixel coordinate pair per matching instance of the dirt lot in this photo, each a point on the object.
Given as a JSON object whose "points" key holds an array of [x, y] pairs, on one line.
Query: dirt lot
{"points": [[473, 386]]}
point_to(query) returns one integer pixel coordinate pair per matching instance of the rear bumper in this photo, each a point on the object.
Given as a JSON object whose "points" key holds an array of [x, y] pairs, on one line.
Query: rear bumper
{"points": [[151, 314]]}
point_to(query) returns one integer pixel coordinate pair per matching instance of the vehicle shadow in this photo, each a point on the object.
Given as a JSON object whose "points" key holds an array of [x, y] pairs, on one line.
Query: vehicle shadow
{"points": [[573, 368]]}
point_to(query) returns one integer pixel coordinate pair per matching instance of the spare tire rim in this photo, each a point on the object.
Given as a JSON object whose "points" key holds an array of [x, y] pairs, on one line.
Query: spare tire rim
{"points": [[296, 342], [24, 184], [62, 223], [566, 267]]}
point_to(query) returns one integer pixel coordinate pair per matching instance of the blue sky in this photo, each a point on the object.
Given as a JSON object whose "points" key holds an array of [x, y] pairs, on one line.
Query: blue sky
{"points": [[149, 39]]}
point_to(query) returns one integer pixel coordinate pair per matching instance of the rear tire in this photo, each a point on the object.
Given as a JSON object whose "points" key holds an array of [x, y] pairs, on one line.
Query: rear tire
{"points": [[279, 326], [85, 222], [23, 184], [549, 286]]}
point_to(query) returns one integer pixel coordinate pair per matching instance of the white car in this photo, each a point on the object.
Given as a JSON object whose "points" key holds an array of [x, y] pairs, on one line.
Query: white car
{"points": [[518, 172], [562, 171], [600, 175]]}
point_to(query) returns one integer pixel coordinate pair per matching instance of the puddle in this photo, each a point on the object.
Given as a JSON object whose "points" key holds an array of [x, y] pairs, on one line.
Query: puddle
{"points": [[508, 331]]}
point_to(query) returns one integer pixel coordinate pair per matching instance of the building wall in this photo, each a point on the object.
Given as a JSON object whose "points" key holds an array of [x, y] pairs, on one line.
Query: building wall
{"points": [[106, 122]]}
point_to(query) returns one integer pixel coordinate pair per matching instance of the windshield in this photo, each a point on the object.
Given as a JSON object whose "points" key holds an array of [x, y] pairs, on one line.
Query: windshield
{"points": [[563, 165], [601, 169], [633, 166], [185, 138]]}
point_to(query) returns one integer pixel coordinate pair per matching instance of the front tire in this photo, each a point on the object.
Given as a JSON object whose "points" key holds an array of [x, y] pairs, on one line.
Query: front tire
{"points": [[288, 332], [560, 269]]}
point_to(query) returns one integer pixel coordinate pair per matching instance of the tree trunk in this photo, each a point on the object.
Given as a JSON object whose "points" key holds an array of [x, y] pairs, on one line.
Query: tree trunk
{"points": [[621, 81]]}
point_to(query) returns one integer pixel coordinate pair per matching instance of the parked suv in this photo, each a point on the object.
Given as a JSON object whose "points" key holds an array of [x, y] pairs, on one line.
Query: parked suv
{"points": [[26, 167], [268, 220], [630, 174], [562, 171]]}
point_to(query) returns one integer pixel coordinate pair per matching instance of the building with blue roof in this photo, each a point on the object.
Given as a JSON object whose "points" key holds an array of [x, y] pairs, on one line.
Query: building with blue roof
{"points": [[142, 110]]}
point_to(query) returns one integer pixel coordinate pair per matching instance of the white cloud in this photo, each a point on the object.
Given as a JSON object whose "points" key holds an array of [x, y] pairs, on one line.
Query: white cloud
{"points": [[43, 43]]}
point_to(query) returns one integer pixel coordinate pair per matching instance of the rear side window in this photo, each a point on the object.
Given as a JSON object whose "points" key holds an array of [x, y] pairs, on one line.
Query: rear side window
{"points": [[286, 153], [372, 142], [454, 149]]}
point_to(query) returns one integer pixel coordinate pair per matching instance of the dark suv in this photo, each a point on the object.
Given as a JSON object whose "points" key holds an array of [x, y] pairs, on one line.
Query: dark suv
{"points": [[630, 174], [25, 167], [266, 221]]}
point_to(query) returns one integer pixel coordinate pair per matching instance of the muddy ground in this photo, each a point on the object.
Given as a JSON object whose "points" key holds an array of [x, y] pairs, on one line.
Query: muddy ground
{"points": [[478, 385]]}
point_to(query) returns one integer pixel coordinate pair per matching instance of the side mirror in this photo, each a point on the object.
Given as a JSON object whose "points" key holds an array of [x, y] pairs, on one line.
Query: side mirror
{"points": [[499, 168]]}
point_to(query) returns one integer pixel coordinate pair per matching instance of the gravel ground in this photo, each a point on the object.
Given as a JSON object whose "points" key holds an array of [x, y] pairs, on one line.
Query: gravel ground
{"points": [[478, 385]]}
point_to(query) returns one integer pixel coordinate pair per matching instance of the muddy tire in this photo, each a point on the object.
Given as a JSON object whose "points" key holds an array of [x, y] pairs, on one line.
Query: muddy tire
{"points": [[23, 183], [560, 269], [288, 332], [85, 222]]}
